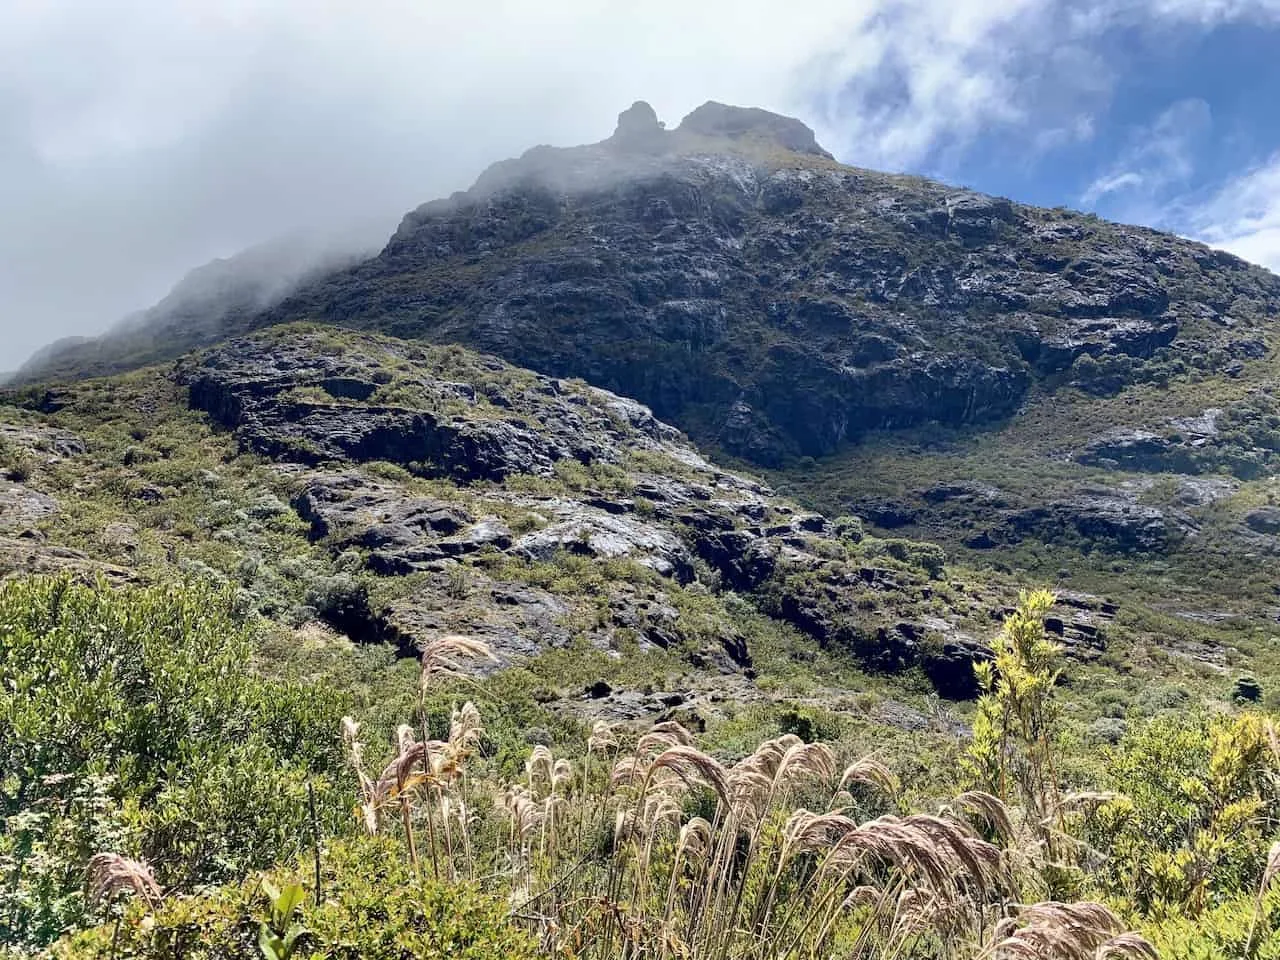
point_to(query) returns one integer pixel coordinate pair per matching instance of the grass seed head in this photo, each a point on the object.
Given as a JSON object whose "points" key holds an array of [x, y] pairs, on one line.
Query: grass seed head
{"points": [[110, 875]]}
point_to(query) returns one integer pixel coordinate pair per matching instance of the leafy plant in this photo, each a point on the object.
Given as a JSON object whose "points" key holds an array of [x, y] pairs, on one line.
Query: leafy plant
{"points": [[279, 934]]}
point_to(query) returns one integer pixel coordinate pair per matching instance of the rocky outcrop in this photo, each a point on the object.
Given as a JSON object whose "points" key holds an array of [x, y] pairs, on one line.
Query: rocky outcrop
{"points": [[291, 401], [1239, 439], [1103, 518], [594, 477], [22, 507]]}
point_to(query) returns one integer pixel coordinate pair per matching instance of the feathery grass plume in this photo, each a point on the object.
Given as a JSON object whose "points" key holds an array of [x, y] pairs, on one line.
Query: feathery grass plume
{"points": [[524, 812], [443, 656], [367, 808], [628, 771], [919, 911], [991, 809], [1127, 946], [1069, 931], [351, 742], [405, 738], [110, 875], [539, 766], [694, 840], [872, 773], [945, 853], [561, 774], [693, 767], [809, 831], [767, 757], [750, 789], [805, 761], [466, 727], [662, 735], [1272, 869], [398, 775], [660, 810], [604, 737]]}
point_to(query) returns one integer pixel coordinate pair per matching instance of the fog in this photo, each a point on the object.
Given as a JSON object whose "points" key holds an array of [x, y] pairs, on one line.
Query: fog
{"points": [[139, 140]]}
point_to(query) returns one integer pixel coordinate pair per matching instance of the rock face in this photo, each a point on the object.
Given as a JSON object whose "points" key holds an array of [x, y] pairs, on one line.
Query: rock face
{"points": [[748, 288], [479, 471], [1242, 439], [22, 507], [292, 401], [735, 278]]}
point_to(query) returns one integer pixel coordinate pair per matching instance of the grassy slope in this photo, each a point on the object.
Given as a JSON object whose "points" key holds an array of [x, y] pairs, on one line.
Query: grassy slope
{"points": [[1224, 584], [221, 516]]}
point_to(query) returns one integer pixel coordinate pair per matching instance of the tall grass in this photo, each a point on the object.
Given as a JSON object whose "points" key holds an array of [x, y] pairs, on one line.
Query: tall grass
{"points": [[649, 847]]}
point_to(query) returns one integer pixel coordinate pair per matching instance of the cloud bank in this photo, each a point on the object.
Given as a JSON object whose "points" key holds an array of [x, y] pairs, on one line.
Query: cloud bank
{"points": [[138, 140]]}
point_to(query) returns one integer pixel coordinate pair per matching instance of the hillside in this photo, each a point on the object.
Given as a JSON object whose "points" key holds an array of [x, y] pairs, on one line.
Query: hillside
{"points": [[690, 433]]}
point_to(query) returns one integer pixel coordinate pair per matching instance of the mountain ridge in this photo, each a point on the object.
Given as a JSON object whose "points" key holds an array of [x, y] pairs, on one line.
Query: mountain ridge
{"points": [[775, 303]]}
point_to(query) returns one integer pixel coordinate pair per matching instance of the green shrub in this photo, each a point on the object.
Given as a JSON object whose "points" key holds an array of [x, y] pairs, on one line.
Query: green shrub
{"points": [[375, 908], [130, 722], [849, 528], [1190, 825], [929, 557]]}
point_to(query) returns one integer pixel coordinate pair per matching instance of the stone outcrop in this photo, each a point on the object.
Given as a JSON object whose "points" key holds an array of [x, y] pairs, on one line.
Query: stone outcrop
{"points": [[574, 472]]}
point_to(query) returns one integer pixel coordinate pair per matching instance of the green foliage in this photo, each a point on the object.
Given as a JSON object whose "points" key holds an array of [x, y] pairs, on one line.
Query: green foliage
{"points": [[278, 934], [1195, 812], [1015, 728], [929, 557], [130, 722], [1246, 689], [374, 908], [849, 529], [1226, 930]]}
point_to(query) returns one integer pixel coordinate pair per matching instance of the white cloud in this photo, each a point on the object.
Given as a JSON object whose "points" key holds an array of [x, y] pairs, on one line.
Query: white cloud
{"points": [[138, 139], [1244, 215], [1110, 183], [1160, 156]]}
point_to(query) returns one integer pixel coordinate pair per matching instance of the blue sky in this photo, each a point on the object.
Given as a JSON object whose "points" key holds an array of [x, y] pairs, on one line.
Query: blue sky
{"points": [[139, 139], [1162, 114]]}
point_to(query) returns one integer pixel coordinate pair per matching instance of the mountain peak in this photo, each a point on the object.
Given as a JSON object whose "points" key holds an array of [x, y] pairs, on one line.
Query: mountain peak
{"points": [[714, 119], [638, 125]]}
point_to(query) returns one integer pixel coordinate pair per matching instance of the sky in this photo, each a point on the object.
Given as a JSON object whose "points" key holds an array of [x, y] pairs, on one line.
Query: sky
{"points": [[140, 139]]}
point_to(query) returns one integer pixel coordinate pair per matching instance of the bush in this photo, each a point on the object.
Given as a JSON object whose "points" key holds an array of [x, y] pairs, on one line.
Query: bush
{"points": [[849, 529], [374, 908], [130, 722], [1246, 689], [929, 557], [1191, 827]]}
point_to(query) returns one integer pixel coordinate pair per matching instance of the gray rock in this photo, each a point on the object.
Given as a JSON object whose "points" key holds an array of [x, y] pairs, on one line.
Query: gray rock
{"points": [[21, 507], [1107, 519], [595, 533], [1263, 520]]}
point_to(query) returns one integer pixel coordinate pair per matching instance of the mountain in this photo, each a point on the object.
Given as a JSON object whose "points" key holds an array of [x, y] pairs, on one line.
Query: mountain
{"points": [[731, 275], [697, 432], [1037, 391], [735, 278]]}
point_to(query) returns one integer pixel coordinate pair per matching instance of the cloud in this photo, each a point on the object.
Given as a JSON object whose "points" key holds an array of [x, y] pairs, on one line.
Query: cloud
{"points": [[140, 139], [1159, 156], [1243, 216]]}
